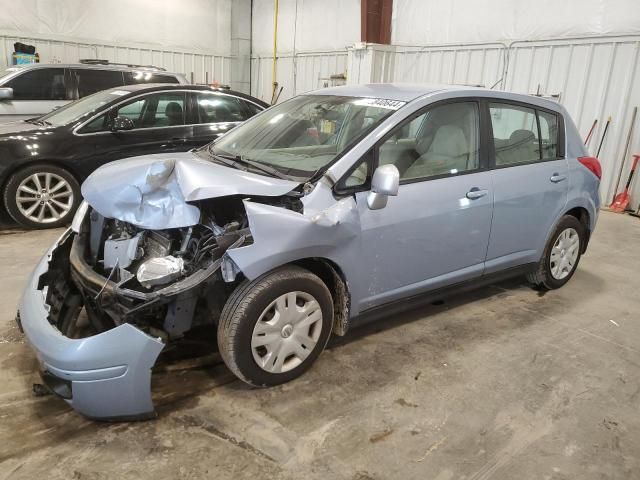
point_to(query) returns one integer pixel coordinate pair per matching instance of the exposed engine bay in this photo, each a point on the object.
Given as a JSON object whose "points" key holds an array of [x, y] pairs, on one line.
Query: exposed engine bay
{"points": [[165, 282]]}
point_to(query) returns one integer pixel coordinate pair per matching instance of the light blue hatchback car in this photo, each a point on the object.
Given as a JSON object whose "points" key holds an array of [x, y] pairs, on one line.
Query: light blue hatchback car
{"points": [[328, 210]]}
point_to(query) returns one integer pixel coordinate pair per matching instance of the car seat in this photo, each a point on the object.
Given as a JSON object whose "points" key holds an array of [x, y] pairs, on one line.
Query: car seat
{"points": [[173, 112]]}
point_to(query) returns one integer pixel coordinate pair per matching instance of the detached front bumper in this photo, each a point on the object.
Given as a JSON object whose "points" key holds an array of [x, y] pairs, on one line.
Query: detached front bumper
{"points": [[106, 376]]}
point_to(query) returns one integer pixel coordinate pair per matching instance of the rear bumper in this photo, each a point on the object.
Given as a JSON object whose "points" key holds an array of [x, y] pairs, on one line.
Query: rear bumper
{"points": [[106, 376]]}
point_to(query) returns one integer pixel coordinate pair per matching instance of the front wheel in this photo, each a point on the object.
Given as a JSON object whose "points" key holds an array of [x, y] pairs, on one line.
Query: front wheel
{"points": [[42, 196], [273, 328], [561, 255]]}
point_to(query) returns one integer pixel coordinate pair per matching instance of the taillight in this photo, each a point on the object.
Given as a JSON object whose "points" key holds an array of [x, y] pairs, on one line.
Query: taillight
{"points": [[593, 164]]}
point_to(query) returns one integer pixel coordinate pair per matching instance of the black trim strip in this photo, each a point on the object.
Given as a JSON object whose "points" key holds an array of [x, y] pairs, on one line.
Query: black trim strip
{"points": [[415, 301]]}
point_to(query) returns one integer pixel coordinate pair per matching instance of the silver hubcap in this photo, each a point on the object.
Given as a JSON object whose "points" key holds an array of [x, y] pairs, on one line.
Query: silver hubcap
{"points": [[564, 253], [44, 197], [286, 332]]}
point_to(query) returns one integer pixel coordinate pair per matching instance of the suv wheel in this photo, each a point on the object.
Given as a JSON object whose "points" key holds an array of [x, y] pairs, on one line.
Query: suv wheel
{"points": [[561, 255], [42, 196], [273, 328]]}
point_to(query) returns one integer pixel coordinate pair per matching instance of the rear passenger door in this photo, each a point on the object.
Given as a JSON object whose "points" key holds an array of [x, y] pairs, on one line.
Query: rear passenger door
{"points": [[91, 80], [530, 183], [214, 114]]}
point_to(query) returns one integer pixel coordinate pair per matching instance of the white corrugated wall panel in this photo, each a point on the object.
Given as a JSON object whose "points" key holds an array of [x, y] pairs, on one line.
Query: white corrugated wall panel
{"points": [[455, 64], [295, 74], [199, 66]]}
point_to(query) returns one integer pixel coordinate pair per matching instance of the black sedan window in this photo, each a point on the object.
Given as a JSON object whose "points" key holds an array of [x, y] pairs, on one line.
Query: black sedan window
{"points": [[163, 109]]}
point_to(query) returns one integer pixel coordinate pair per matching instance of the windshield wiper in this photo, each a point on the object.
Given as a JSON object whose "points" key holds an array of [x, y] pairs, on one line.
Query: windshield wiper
{"points": [[234, 161], [36, 121]]}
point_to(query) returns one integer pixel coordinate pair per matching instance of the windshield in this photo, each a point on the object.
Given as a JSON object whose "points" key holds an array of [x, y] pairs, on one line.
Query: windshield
{"points": [[75, 110], [304, 134]]}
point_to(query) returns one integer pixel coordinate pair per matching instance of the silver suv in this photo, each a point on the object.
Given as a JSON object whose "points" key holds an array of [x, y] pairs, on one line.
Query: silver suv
{"points": [[317, 214], [28, 91]]}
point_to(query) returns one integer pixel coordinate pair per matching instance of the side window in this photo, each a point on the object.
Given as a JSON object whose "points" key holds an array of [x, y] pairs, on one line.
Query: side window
{"points": [[548, 135], [164, 109], [132, 111], [359, 174], [132, 78], [91, 81], [96, 125], [515, 134], [216, 107], [39, 84], [169, 110], [252, 107], [445, 140]]}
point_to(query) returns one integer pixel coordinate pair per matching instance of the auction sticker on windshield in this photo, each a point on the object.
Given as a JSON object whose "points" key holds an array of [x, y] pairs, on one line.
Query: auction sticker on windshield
{"points": [[381, 103]]}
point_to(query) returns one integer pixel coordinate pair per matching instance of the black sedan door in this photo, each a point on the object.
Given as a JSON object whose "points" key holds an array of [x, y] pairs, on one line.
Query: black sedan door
{"points": [[158, 125]]}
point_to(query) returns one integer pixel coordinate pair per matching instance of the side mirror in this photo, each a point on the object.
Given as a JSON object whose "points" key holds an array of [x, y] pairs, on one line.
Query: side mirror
{"points": [[384, 184], [6, 93], [121, 123]]}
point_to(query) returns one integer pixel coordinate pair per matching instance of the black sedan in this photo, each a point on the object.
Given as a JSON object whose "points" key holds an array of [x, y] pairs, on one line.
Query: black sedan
{"points": [[44, 160]]}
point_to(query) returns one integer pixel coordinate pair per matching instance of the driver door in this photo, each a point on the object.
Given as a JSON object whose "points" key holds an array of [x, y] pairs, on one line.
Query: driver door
{"points": [[435, 232], [158, 127]]}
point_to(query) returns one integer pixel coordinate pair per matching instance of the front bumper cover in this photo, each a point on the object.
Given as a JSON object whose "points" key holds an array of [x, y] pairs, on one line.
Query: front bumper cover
{"points": [[109, 373]]}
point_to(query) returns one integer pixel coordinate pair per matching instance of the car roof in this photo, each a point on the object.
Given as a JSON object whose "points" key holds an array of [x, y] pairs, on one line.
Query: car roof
{"points": [[407, 92], [97, 66]]}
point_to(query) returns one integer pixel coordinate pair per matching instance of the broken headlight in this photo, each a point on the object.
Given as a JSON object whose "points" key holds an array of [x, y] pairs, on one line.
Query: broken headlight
{"points": [[159, 270]]}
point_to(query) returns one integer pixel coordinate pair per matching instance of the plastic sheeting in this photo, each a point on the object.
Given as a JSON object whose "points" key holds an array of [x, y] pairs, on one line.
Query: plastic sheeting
{"points": [[425, 22], [200, 25]]}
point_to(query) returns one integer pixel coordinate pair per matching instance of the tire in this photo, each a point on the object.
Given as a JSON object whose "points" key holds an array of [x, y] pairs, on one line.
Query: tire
{"points": [[58, 205], [253, 302], [552, 273]]}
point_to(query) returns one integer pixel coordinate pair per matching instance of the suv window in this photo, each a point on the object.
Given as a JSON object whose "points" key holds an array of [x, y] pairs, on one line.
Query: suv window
{"points": [[133, 78], [217, 107], [515, 134], [90, 81], [39, 84], [163, 109], [445, 140]]}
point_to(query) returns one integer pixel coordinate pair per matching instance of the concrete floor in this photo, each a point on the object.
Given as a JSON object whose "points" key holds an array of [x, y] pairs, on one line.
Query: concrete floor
{"points": [[503, 383]]}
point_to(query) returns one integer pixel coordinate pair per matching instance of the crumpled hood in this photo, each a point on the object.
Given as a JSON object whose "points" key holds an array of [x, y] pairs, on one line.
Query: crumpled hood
{"points": [[153, 191]]}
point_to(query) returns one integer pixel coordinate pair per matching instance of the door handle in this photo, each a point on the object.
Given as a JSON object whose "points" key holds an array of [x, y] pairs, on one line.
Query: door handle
{"points": [[556, 177], [475, 192]]}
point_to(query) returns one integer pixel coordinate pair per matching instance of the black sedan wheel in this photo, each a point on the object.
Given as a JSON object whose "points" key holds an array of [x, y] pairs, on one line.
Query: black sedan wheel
{"points": [[42, 196]]}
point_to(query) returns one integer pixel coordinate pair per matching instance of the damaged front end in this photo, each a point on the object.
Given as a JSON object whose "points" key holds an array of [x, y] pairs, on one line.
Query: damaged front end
{"points": [[163, 281], [128, 280], [112, 294], [110, 284]]}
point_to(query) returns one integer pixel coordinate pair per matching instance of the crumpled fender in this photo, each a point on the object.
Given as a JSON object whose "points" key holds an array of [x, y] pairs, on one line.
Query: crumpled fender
{"points": [[281, 236]]}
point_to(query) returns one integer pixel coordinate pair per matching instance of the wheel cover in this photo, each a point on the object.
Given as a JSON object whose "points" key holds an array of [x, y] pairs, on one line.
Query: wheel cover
{"points": [[564, 253], [286, 332], [44, 197]]}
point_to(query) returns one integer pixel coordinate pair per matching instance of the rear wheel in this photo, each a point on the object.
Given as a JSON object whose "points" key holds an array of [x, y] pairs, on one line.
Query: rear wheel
{"points": [[273, 328], [561, 255], [42, 196]]}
